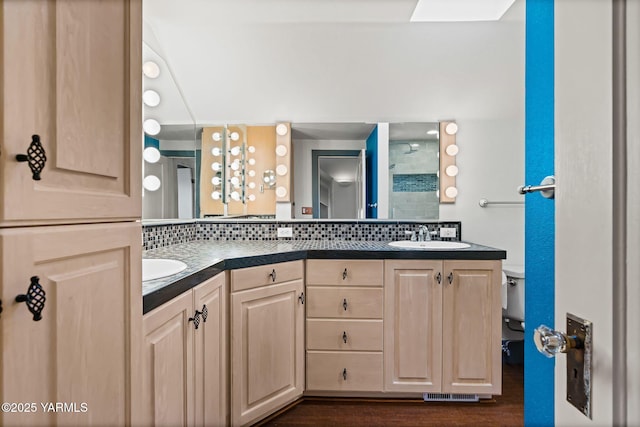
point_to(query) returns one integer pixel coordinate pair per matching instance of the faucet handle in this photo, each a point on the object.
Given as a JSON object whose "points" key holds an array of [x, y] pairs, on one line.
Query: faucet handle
{"points": [[412, 234]]}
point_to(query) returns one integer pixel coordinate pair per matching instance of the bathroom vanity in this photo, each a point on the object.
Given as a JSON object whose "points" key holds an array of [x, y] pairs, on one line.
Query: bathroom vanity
{"points": [[321, 318]]}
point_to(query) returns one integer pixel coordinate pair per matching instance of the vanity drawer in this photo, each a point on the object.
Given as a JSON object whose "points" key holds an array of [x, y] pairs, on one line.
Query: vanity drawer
{"points": [[344, 303], [345, 272], [329, 334], [253, 277], [344, 371]]}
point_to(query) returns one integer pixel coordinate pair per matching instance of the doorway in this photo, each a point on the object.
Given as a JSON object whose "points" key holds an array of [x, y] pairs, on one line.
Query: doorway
{"points": [[334, 183]]}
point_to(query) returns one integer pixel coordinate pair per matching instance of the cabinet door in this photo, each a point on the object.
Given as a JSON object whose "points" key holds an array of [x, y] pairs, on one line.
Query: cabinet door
{"points": [[471, 342], [71, 75], [413, 326], [168, 364], [267, 350], [85, 349], [210, 346]]}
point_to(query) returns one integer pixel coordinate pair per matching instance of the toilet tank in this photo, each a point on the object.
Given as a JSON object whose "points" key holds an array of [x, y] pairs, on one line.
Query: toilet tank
{"points": [[515, 292]]}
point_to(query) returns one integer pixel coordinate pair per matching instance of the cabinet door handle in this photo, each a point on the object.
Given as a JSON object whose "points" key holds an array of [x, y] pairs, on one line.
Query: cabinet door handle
{"points": [[344, 304], [344, 336], [204, 312], [34, 298], [344, 374], [439, 277], [450, 278], [344, 274], [301, 298], [273, 275], [195, 319], [35, 157]]}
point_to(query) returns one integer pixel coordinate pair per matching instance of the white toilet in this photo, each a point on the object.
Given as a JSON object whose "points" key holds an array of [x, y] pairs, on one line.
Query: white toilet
{"points": [[513, 302]]}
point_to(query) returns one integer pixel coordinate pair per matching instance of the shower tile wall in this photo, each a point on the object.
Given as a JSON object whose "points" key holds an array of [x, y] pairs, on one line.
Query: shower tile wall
{"points": [[405, 161]]}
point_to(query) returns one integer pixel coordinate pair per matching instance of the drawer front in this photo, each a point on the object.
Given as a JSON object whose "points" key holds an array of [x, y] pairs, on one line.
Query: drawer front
{"points": [[328, 334], [345, 272], [344, 371], [344, 303], [253, 277]]}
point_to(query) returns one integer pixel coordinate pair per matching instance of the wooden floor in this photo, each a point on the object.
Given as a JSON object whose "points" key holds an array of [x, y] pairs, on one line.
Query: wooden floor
{"points": [[506, 410]]}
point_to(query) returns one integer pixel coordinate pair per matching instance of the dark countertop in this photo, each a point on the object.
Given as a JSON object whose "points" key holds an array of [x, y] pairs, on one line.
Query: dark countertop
{"points": [[205, 259]]}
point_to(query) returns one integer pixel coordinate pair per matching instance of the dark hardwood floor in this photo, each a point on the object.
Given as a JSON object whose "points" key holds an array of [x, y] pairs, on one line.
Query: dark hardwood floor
{"points": [[506, 410]]}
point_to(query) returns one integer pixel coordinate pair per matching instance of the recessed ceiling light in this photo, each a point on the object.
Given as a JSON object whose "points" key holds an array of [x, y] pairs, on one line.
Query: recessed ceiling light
{"points": [[459, 10]]}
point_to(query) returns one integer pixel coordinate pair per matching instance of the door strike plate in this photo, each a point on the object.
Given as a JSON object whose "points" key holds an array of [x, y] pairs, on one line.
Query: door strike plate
{"points": [[579, 365]]}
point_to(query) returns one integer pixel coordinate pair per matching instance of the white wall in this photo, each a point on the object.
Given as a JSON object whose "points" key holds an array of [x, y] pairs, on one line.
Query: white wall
{"points": [[343, 200]]}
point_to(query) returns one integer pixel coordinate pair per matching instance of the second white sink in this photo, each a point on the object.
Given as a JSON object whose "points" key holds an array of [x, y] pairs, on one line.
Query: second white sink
{"points": [[157, 268], [429, 244]]}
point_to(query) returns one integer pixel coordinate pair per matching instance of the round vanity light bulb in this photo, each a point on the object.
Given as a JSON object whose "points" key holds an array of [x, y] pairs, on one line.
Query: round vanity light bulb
{"points": [[215, 195], [281, 170], [452, 170], [151, 126], [281, 191], [151, 154], [252, 185], [281, 129], [236, 173], [151, 69], [216, 151], [235, 195], [252, 161], [252, 197], [235, 180], [151, 182], [216, 136], [216, 180], [281, 150], [235, 151], [151, 98], [451, 128], [235, 136], [235, 166], [452, 150], [252, 172], [451, 192], [216, 166], [251, 149]]}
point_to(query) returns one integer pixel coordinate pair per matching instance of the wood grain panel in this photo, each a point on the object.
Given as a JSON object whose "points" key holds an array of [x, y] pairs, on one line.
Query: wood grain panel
{"points": [[329, 302], [252, 277], [326, 371], [329, 334], [347, 272]]}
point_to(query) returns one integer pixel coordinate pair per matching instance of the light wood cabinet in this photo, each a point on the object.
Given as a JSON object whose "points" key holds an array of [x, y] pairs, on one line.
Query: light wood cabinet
{"points": [[72, 75], [267, 340], [85, 347], [442, 326], [184, 368], [344, 326]]}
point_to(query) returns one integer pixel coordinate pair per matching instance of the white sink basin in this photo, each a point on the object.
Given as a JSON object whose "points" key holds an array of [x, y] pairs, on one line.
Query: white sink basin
{"points": [[429, 244], [157, 268]]}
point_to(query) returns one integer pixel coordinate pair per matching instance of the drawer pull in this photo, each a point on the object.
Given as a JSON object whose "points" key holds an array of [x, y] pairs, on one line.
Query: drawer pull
{"points": [[301, 298], [344, 336], [439, 277], [450, 277], [34, 298], [273, 275], [195, 319], [344, 374], [204, 312], [35, 157], [344, 304], [344, 274]]}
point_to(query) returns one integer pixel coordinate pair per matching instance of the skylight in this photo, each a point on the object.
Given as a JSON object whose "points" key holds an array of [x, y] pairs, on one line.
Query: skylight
{"points": [[459, 10]]}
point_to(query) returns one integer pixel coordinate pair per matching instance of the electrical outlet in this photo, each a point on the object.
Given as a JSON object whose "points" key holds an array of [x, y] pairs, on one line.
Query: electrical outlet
{"points": [[447, 232], [285, 232]]}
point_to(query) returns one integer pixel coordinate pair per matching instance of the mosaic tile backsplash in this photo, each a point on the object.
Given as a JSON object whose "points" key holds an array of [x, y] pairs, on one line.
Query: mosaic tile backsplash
{"points": [[414, 182], [158, 236]]}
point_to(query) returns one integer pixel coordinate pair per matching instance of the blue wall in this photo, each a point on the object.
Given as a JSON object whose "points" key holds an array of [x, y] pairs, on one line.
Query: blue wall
{"points": [[372, 172], [539, 212]]}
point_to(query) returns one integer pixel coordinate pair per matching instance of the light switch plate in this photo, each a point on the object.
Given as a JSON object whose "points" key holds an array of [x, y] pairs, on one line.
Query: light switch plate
{"points": [[285, 232], [447, 232]]}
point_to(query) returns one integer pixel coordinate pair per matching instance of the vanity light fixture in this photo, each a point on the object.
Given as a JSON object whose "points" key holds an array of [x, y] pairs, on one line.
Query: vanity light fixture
{"points": [[452, 150], [216, 166], [281, 191], [151, 127], [151, 98], [235, 151], [281, 129], [216, 136], [251, 149], [451, 192], [216, 151], [150, 69], [215, 195], [281, 150], [281, 170], [151, 183], [452, 170], [216, 180], [235, 136], [451, 128], [151, 155], [448, 170]]}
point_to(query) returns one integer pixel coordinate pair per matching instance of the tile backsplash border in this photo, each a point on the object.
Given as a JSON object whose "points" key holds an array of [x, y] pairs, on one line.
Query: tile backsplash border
{"points": [[168, 234]]}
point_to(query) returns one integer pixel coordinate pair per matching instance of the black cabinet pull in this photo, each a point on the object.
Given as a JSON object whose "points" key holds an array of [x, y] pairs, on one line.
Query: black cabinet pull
{"points": [[34, 298], [344, 304], [301, 298], [344, 336], [450, 277], [439, 277], [195, 319], [273, 275], [344, 274], [0, 306], [204, 313], [36, 157], [344, 374]]}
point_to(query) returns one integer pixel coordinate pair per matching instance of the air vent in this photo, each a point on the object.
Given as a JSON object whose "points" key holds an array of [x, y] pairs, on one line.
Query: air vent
{"points": [[449, 397]]}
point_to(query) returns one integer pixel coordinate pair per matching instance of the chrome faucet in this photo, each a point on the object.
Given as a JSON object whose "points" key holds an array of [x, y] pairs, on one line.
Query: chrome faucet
{"points": [[423, 233]]}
